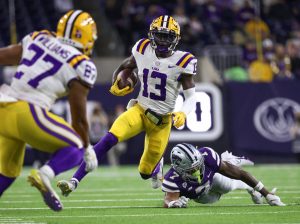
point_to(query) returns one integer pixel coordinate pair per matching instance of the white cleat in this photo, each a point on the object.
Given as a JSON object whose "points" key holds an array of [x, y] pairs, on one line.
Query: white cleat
{"points": [[256, 197], [236, 160], [66, 186], [156, 182], [157, 179]]}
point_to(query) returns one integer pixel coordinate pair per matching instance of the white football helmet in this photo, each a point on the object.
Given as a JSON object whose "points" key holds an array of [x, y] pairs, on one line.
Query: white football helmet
{"points": [[187, 160]]}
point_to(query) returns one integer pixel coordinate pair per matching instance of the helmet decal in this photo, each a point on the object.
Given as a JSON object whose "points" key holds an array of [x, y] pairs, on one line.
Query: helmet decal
{"points": [[70, 23]]}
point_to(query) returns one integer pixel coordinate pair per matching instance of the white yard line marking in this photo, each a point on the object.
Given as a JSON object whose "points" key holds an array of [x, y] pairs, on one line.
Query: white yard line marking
{"points": [[161, 214], [94, 200], [82, 207], [138, 206], [229, 196], [86, 190], [134, 191], [7, 220], [119, 200], [79, 195]]}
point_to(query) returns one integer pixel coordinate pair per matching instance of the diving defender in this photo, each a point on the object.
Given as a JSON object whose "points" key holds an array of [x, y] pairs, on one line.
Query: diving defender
{"points": [[204, 176]]}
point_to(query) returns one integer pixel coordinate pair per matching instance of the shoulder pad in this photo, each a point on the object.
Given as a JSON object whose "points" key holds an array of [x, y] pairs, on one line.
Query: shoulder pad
{"points": [[210, 155], [141, 45], [185, 59], [35, 34]]}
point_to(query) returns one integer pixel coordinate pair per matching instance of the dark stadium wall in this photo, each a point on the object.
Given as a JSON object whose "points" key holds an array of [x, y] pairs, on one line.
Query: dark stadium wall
{"points": [[251, 114]]}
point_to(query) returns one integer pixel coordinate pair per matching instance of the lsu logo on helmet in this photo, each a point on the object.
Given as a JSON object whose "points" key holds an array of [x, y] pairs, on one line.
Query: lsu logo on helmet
{"points": [[78, 29], [164, 33]]}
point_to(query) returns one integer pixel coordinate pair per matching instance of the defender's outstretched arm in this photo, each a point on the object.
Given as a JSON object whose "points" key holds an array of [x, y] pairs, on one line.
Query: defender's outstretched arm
{"points": [[237, 173]]}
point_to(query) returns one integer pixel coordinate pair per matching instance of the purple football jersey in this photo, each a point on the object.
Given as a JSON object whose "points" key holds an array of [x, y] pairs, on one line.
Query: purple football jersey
{"points": [[173, 182]]}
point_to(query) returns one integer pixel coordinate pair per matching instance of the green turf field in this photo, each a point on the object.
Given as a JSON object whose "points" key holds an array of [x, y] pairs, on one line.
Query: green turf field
{"points": [[121, 196]]}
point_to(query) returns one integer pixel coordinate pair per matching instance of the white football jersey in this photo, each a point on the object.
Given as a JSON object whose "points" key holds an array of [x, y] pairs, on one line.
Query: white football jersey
{"points": [[160, 76], [46, 68]]}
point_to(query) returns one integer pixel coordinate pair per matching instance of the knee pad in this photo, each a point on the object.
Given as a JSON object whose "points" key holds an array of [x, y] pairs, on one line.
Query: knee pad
{"points": [[145, 176]]}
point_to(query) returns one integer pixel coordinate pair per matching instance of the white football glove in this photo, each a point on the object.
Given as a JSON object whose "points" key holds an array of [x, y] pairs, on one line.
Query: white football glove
{"points": [[179, 203], [90, 159], [273, 199], [184, 200]]}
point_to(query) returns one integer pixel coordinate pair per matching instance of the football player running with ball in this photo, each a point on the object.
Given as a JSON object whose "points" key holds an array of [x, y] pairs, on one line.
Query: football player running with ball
{"points": [[162, 71], [50, 66], [204, 176]]}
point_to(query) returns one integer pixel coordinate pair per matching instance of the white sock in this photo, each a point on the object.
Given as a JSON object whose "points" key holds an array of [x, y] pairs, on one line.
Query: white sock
{"points": [[48, 171], [223, 185], [240, 185]]}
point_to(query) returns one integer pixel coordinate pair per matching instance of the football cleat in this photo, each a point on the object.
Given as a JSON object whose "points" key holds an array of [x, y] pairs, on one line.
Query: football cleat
{"points": [[236, 160], [157, 175], [42, 183], [256, 197], [67, 186]]}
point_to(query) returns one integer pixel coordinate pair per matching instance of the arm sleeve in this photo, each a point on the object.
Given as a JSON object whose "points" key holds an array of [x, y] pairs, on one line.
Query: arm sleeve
{"points": [[168, 186], [189, 101], [170, 182]]}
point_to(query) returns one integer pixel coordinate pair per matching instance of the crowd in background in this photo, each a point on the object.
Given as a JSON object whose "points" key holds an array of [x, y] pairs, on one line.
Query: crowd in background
{"points": [[270, 42], [266, 31]]}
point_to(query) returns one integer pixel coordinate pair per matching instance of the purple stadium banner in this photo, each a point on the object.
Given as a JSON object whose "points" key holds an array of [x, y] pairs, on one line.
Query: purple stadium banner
{"points": [[261, 115]]}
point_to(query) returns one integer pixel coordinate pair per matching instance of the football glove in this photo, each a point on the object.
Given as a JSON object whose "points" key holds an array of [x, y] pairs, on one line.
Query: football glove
{"points": [[114, 89], [178, 119], [273, 199], [90, 159], [179, 203]]}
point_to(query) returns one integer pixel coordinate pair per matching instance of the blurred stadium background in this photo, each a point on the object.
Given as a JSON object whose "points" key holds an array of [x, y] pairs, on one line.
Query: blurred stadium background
{"points": [[248, 69]]}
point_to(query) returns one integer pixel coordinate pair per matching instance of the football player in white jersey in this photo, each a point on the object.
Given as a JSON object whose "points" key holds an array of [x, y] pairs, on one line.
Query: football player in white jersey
{"points": [[162, 71], [50, 66]]}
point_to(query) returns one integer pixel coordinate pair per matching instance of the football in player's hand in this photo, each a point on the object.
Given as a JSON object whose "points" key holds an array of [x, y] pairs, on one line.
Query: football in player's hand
{"points": [[127, 78]]}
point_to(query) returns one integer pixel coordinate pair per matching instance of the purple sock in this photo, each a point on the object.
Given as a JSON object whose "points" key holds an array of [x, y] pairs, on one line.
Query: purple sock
{"points": [[65, 159], [156, 170], [5, 182], [105, 144]]}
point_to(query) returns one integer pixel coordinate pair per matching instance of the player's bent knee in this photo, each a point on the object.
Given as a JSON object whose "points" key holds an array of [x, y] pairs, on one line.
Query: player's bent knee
{"points": [[145, 176]]}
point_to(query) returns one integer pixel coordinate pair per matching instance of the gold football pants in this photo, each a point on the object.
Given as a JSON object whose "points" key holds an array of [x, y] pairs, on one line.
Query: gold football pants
{"points": [[21, 123], [133, 122]]}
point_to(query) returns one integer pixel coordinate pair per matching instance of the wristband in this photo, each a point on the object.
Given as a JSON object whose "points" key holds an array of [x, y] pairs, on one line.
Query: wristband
{"points": [[259, 186]]}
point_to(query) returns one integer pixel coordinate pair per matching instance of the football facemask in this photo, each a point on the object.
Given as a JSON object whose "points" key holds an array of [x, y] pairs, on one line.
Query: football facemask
{"points": [[187, 161], [164, 34]]}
